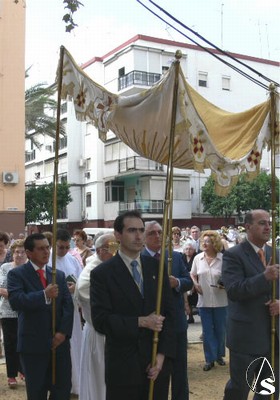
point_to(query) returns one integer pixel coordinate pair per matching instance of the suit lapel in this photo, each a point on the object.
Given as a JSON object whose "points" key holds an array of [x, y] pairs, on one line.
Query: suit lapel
{"points": [[32, 275], [252, 256]]}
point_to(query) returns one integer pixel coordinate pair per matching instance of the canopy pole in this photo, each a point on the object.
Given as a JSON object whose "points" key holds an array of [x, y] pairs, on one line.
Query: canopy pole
{"points": [[55, 184], [167, 208], [273, 213]]}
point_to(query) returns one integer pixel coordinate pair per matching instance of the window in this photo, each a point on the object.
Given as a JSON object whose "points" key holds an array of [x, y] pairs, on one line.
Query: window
{"points": [[88, 163], [114, 191], [202, 79], [62, 178], [164, 68], [121, 72], [88, 199], [225, 83], [64, 108]]}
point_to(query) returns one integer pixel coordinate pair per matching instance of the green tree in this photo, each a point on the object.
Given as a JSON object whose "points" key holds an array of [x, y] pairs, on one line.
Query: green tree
{"points": [[40, 108], [244, 196], [214, 204], [39, 202]]}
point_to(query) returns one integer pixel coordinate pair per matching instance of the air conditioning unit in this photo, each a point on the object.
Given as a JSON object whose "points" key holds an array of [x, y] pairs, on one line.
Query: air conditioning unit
{"points": [[10, 177]]}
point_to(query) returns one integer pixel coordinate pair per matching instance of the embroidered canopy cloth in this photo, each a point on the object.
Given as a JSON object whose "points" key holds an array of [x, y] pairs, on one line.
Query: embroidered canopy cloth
{"points": [[205, 135]]}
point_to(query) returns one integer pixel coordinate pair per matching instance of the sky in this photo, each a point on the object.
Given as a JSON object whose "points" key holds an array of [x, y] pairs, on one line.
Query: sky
{"points": [[250, 27]]}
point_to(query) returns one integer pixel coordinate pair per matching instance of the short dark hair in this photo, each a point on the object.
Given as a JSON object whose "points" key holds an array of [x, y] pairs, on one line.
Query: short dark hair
{"points": [[29, 242], [63, 234], [4, 237], [119, 221]]}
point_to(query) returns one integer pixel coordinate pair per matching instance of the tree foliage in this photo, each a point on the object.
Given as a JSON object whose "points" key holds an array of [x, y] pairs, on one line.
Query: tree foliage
{"points": [[71, 6], [39, 202], [40, 111], [244, 196]]}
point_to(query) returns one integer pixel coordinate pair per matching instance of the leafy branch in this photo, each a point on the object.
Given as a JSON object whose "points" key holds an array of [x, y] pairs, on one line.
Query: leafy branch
{"points": [[72, 6]]}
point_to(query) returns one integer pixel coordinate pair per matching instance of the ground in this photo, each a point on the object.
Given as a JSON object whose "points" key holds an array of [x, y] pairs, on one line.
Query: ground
{"points": [[203, 385]]}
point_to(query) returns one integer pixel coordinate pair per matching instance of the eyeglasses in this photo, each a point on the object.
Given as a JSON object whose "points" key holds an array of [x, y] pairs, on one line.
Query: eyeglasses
{"points": [[176, 233]]}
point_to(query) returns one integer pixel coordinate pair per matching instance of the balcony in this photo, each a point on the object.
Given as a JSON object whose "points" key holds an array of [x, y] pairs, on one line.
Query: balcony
{"points": [[137, 163], [143, 206], [138, 78]]}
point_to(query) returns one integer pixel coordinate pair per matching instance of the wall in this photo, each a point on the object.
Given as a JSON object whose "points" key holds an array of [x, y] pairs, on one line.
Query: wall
{"points": [[12, 119]]}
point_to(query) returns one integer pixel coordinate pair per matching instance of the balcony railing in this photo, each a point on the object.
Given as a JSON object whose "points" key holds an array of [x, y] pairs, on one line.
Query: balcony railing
{"points": [[138, 163], [138, 78], [143, 206]]}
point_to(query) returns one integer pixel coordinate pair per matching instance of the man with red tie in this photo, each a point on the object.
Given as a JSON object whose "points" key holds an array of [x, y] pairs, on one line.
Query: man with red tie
{"points": [[31, 294], [247, 277]]}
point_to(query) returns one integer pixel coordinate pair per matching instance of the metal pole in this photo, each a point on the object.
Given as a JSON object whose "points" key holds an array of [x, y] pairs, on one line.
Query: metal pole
{"points": [[167, 205], [273, 214], [55, 183]]}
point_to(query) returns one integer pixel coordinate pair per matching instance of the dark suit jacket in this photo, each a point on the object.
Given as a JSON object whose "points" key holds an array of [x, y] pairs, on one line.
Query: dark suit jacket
{"points": [[248, 328], [116, 304], [180, 272], [35, 316]]}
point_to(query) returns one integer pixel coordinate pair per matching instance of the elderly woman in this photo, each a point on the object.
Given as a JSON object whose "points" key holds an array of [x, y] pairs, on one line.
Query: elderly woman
{"points": [[9, 318], [212, 299]]}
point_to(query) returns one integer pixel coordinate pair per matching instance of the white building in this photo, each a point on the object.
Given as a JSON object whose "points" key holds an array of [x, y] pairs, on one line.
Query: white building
{"points": [[107, 178]]}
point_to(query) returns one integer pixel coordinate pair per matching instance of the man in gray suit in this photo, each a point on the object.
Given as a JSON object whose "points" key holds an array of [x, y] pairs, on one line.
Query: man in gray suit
{"points": [[248, 282]]}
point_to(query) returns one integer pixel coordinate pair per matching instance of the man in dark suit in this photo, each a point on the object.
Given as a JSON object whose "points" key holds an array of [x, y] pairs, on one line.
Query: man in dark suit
{"points": [[123, 293], [180, 282], [31, 295], [248, 283]]}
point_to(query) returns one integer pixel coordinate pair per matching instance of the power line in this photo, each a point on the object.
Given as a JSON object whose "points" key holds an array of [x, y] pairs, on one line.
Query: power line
{"points": [[243, 73]]}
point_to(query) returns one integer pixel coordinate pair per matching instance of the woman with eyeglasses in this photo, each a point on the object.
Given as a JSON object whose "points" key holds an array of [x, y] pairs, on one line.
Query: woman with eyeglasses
{"points": [[9, 318], [176, 239], [212, 299]]}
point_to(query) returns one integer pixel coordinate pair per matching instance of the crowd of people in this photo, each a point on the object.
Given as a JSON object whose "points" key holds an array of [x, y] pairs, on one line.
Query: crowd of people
{"points": [[92, 330]]}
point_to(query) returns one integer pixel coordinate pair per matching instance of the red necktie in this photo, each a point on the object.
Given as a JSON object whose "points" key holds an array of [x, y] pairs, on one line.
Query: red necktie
{"points": [[262, 257], [40, 272]]}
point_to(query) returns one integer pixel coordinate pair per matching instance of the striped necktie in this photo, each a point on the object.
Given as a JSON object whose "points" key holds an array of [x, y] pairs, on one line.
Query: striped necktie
{"points": [[136, 275]]}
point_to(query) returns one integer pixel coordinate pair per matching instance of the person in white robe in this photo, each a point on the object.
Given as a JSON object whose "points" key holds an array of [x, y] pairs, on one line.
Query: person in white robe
{"points": [[92, 377], [72, 269]]}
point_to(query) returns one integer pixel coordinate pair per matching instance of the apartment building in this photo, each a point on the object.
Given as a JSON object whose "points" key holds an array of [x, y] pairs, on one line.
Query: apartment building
{"points": [[12, 72], [107, 178]]}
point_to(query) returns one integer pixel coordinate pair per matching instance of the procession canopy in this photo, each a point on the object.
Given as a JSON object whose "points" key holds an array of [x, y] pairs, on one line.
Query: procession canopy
{"points": [[205, 136]]}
